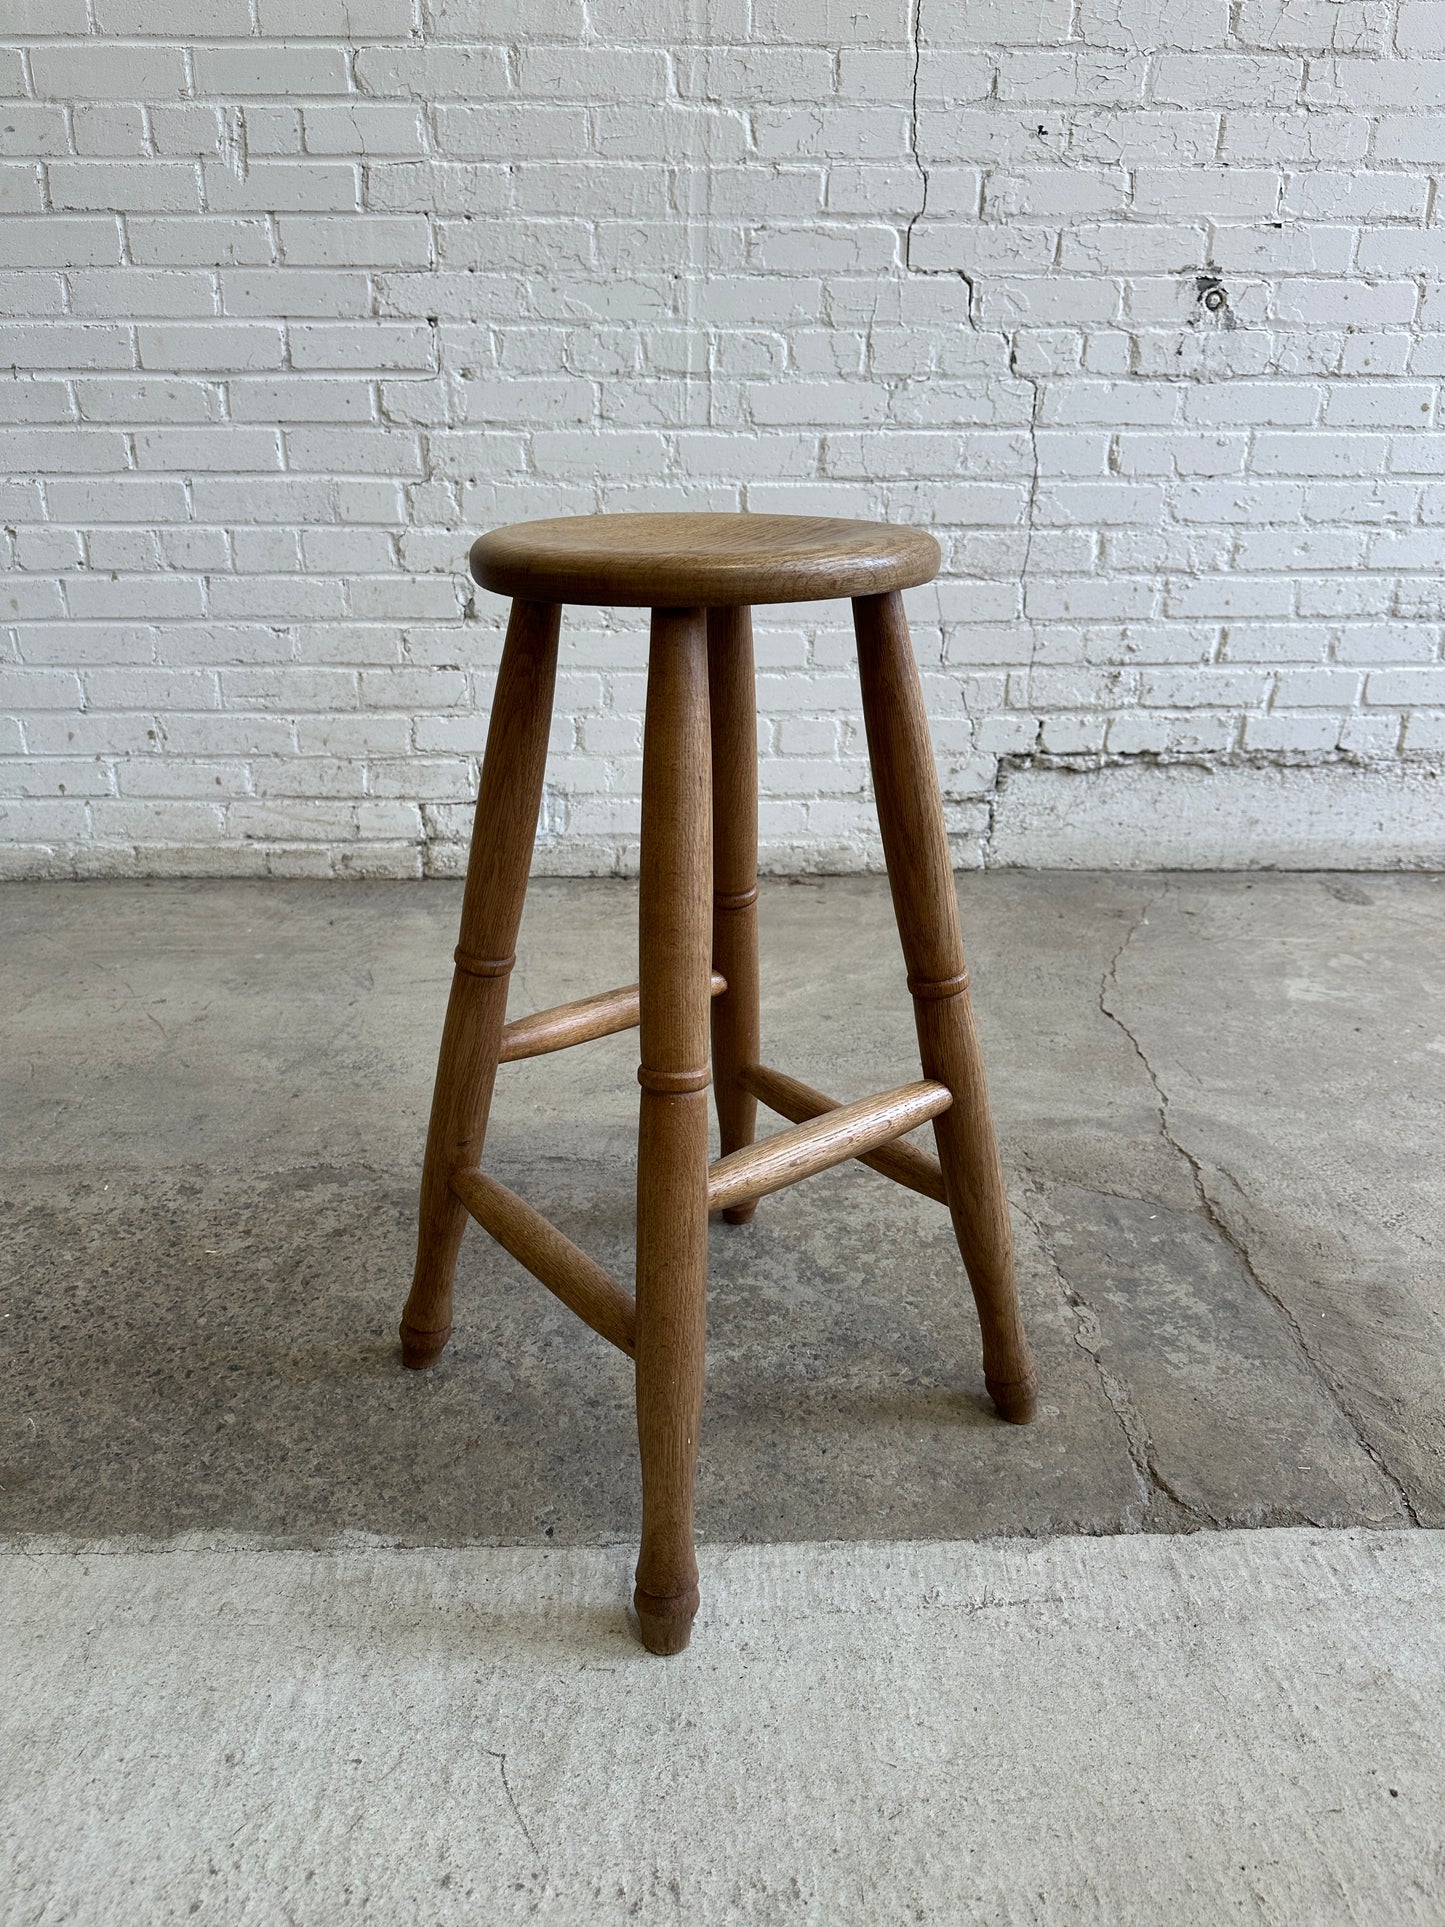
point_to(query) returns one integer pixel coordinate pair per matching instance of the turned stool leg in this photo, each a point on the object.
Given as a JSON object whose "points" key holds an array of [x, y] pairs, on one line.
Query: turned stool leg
{"points": [[735, 1026], [672, 1146], [503, 833], [910, 815]]}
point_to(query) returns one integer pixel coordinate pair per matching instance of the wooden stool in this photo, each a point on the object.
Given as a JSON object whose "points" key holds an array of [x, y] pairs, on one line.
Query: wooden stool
{"points": [[699, 574]]}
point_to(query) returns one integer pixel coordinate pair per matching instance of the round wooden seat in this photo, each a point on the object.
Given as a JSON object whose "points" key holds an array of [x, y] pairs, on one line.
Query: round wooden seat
{"points": [[700, 561]]}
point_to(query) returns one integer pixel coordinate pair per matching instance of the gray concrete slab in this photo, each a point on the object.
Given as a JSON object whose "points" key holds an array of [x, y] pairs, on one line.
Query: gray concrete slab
{"points": [[1220, 1098], [1295, 1036], [1227, 1726]]}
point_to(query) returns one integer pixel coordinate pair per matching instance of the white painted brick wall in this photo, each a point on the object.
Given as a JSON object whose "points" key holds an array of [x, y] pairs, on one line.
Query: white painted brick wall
{"points": [[1140, 304]]}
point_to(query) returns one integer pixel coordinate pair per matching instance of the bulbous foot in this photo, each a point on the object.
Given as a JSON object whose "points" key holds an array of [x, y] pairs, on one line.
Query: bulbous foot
{"points": [[665, 1624], [420, 1349], [1016, 1399]]}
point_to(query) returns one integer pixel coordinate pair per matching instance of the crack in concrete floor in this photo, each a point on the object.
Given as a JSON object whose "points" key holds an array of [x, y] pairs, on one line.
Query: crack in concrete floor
{"points": [[1176, 1513], [1215, 1216]]}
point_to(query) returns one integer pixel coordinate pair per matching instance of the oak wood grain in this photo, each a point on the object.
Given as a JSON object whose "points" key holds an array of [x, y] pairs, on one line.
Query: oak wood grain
{"points": [[906, 1164], [504, 829], [672, 1144], [579, 1022], [736, 1024], [915, 848], [692, 560], [806, 1149]]}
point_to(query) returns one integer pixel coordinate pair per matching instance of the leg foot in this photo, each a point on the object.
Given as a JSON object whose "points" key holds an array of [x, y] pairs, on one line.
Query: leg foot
{"points": [[1016, 1400], [665, 1624], [421, 1349]]}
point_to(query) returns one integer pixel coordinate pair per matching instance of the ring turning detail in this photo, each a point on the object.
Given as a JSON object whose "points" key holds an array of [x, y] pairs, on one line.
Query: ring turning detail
{"points": [[482, 966], [696, 1003], [953, 986]]}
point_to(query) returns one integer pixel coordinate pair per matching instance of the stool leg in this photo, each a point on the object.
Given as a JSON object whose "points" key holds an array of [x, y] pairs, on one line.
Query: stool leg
{"points": [[910, 815], [736, 1039], [672, 1146], [503, 833]]}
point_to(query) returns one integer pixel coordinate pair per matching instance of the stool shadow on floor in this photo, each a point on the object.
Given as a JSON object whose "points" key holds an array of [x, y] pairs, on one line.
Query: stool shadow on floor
{"points": [[457, 1628], [216, 1354]]}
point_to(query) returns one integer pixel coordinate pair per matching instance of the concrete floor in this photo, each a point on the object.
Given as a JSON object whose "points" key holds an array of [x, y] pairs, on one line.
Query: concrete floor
{"points": [[1221, 1100], [1179, 1731]]}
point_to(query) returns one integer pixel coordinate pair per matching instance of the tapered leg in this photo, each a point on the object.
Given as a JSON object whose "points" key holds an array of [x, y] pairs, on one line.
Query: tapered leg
{"points": [[672, 1134], [502, 836], [735, 1025], [910, 815]]}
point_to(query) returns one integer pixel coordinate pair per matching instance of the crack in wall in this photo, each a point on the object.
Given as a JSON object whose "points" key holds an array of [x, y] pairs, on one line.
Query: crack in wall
{"points": [[1214, 1216], [1009, 343], [915, 28], [1036, 389]]}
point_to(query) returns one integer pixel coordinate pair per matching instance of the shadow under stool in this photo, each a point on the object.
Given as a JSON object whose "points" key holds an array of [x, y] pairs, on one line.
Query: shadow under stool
{"points": [[700, 575]]}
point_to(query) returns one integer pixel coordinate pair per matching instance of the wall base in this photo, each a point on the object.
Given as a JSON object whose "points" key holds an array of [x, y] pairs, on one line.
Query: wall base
{"points": [[1181, 817], [1136, 816]]}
